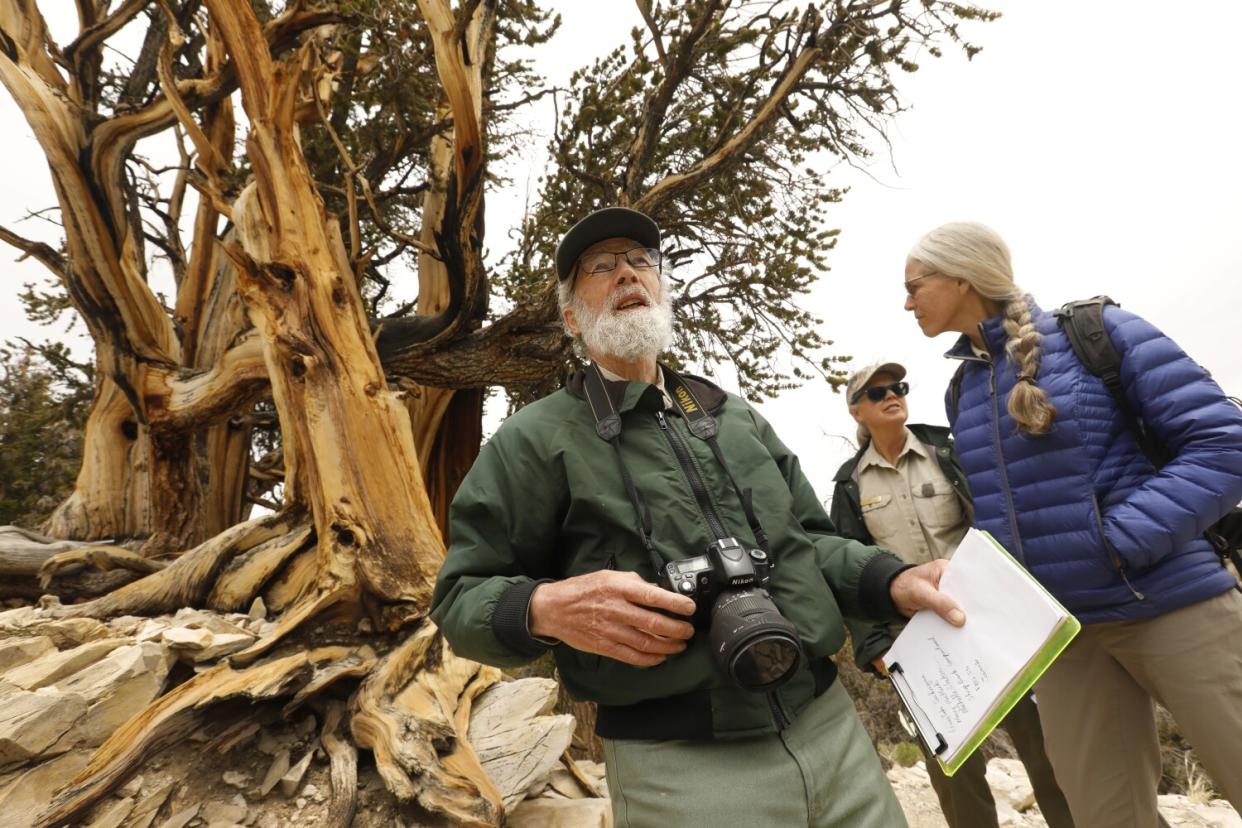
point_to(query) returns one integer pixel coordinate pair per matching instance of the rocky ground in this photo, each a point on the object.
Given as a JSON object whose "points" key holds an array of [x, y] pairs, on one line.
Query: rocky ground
{"points": [[66, 685], [1015, 801]]}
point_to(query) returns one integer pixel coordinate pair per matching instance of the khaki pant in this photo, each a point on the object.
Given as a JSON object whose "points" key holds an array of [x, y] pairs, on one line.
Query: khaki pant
{"points": [[965, 798], [821, 772], [1095, 703]]}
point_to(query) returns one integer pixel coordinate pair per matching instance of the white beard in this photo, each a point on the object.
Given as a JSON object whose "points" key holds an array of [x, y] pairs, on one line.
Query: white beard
{"points": [[628, 335]]}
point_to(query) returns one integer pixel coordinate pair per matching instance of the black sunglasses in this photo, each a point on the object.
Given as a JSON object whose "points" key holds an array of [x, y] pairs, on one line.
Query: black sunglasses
{"points": [[879, 392]]}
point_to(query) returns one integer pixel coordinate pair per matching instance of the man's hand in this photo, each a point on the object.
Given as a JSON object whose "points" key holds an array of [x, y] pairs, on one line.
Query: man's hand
{"points": [[919, 588], [611, 614]]}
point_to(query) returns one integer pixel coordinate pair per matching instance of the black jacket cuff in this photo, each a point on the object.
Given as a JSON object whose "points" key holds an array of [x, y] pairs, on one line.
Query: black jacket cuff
{"points": [[874, 597], [509, 620]]}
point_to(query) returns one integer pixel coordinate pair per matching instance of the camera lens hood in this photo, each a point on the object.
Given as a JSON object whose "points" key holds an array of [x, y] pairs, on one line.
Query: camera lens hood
{"points": [[752, 642]]}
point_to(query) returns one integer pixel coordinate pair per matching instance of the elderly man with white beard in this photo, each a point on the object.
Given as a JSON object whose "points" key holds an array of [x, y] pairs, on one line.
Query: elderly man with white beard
{"points": [[652, 532]]}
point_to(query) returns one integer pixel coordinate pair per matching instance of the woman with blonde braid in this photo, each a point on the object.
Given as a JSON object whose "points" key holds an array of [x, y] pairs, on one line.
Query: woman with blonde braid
{"points": [[1059, 479]]}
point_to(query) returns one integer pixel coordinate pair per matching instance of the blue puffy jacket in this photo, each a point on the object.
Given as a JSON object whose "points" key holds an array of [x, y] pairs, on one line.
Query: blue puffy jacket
{"points": [[1081, 507]]}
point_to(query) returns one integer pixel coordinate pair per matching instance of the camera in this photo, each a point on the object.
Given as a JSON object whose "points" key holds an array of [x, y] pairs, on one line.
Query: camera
{"points": [[752, 642]]}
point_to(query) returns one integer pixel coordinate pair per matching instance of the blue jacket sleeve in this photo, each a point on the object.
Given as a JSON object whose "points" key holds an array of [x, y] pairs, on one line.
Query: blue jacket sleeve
{"points": [[1190, 415]]}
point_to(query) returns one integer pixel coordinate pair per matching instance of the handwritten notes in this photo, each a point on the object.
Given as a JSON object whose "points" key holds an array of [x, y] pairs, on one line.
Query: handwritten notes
{"points": [[955, 678]]}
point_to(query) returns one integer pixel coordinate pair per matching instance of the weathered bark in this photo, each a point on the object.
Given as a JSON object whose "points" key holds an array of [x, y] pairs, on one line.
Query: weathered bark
{"points": [[346, 438], [413, 713], [174, 716], [141, 474], [448, 425]]}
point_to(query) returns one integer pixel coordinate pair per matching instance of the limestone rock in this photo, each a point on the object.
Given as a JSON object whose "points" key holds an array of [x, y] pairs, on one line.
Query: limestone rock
{"points": [[32, 722], [15, 651], [223, 813], [111, 814], [512, 700], [563, 782], [180, 818], [292, 779], [258, 610], [561, 813], [278, 768], [520, 754], [236, 779], [145, 811], [115, 688], [187, 638], [29, 792], [51, 667]]}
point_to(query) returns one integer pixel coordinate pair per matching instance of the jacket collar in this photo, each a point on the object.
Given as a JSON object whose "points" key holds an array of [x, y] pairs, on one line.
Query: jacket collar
{"points": [[628, 395], [935, 436]]}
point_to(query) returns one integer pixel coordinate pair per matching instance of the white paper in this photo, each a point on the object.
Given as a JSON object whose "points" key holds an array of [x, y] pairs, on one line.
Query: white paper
{"points": [[955, 674]]}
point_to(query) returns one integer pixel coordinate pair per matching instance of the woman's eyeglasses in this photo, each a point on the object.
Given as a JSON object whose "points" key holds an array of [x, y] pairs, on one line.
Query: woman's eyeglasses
{"points": [[879, 392]]}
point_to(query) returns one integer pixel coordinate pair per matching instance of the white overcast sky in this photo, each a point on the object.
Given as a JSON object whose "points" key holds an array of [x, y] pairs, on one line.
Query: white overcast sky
{"points": [[1100, 137]]}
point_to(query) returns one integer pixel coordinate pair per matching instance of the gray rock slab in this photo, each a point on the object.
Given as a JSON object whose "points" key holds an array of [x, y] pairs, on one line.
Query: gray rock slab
{"points": [[30, 791], [561, 813], [17, 651], [51, 667], [32, 722], [510, 701], [115, 688]]}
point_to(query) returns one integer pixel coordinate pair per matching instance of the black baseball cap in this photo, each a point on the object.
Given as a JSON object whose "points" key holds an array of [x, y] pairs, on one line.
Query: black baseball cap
{"points": [[609, 223]]}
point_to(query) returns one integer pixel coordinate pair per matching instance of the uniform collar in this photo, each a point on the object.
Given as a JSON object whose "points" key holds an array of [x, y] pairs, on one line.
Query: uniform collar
{"points": [[872, 457]]}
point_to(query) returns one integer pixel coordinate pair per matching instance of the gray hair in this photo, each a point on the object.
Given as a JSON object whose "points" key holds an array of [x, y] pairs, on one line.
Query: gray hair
{"points": [[565, 298], [978, 255]]}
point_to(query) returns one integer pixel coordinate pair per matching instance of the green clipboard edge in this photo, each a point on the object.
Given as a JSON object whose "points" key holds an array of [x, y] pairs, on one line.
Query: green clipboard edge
{"points": [[1022, 683]]}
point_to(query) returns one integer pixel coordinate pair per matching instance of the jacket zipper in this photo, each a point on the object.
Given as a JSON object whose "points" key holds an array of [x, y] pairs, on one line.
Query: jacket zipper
{"points": [[691, 472], [778, 712], [1113, 557], [1000, 465]]}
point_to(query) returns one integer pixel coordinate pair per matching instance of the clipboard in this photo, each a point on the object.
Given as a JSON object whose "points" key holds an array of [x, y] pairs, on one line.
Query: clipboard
{"points": [[958, 684], [911, 720]]}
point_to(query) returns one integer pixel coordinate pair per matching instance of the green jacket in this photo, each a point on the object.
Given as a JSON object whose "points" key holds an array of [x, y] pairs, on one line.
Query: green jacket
{"points": [[872, 640], [545, 500]]}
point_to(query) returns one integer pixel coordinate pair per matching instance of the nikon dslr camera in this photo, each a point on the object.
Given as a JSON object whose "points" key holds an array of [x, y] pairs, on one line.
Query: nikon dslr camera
{"points": [[751, 641]]}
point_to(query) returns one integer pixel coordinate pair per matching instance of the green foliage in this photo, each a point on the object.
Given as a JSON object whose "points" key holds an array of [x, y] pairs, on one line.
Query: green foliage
{"points": [[386, 111], [750, 239], [44, 399]]}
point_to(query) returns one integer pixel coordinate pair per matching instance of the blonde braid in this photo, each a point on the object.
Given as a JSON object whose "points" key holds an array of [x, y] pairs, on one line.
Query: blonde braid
{"points": [[1028, 403]]}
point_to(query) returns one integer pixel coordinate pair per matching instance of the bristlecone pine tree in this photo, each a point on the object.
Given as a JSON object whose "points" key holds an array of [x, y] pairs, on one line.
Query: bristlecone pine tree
{"points": [[287, 370]]}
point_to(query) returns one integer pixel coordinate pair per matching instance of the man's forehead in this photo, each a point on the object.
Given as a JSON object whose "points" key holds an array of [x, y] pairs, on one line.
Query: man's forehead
{"points": [[618, 244]]}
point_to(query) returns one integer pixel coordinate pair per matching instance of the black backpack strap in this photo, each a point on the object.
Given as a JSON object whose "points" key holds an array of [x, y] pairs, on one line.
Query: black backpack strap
{"points": [[955, 392], [1083, 323]]}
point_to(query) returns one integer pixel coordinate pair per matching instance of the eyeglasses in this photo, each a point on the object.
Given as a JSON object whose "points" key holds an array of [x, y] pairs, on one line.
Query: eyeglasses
{"points": [[911, 289], [879, 392], [593, 264]]}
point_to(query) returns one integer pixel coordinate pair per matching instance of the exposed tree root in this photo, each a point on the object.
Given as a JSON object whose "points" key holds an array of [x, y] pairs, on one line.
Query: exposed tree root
{"points": [[172, 717], [409, 713], [247, 574], [343, 759], [290, 620], [187, 581], [102, 558]]}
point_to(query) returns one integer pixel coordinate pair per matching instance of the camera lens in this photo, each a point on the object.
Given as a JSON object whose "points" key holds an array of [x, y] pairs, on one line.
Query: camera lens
{"points": [[752, 642]]}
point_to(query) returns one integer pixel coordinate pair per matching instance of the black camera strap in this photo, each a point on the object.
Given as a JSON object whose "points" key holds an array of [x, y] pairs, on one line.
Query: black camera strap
{"points": [[608, 427], [701, 424]]}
